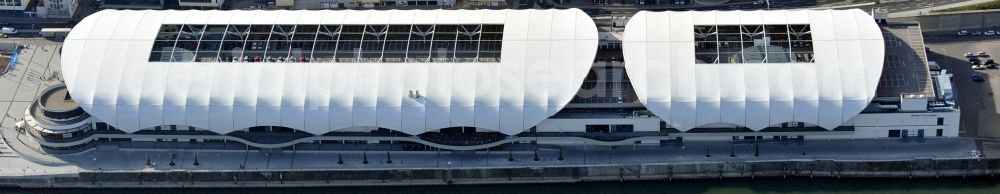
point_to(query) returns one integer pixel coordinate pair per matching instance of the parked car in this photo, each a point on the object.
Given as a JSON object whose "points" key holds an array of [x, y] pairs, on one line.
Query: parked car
{"points": [[974, 59], [970, 55], [963, 32], [989, 61], [977, 77], [990, 33], [8, 30], [977, 33], [933, 66], [976, 65], [982, 54]]}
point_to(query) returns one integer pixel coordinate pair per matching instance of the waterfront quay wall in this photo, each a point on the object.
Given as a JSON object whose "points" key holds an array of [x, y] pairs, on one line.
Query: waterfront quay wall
{"points": [[916, 168]]}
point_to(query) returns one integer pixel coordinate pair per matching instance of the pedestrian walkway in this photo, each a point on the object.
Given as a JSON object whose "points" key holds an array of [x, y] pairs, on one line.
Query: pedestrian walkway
{"points": [[5, 150]]}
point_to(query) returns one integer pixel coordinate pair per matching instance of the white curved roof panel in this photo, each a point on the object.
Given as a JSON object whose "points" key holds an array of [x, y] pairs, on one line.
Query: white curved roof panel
{"points": [[545, 56], [659, 49]]}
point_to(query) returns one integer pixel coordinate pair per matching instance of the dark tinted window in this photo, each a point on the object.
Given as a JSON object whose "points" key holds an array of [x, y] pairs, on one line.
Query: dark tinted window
{"points": [[753, 43], [328, 43]]}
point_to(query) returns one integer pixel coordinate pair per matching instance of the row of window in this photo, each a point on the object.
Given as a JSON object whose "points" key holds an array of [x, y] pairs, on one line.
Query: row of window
{"points": [[900, 133], [195, 1], [131, 2], [10, 3], [328, 43], [753, 43]]}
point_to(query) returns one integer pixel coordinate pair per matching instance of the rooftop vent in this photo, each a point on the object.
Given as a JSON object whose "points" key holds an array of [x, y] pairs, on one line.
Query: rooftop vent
{"points": [[912, 102]]}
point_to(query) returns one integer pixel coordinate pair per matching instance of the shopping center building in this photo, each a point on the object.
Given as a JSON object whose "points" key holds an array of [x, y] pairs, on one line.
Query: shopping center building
{"points": [[473, 79]]}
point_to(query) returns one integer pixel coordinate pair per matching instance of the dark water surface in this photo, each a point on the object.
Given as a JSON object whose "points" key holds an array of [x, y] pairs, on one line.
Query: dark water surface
{"points": [[727, 186]]}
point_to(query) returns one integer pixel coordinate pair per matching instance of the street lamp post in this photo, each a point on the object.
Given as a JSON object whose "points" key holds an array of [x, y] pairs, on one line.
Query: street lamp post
{"points": [[196, 163], [756, 150], [732, 150]]}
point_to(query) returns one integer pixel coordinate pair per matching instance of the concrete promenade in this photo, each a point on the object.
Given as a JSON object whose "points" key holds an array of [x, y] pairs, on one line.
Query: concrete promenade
{"points": [[798, 169]]}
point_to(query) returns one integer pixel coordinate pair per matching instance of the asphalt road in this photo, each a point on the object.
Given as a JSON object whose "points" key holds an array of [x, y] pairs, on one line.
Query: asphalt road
{"points": [[15, 20], [980, 115], [893, 6], [907, 5]]}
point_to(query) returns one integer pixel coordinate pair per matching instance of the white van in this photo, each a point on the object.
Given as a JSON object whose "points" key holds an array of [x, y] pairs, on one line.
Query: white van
{"points": [[8, 30], [54, 32], [933, 66]]}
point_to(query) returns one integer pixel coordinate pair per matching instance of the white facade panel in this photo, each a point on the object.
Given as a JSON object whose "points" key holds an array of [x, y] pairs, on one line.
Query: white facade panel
{"points": [[749, 17], [699, 18], [133, 89], [510, 73], [196, 115], [494, 16], [774, 17], [536, 67], [202, 17], [74, 45], [389, 117], [463, 94], [540, 25], [341, 117], [487, 87], [268, 115], [488, 117], [111, 74], [238, 17], [171, 114], [152, 115], [463, 116], [127, 25], [470, 17], [287, 17], [221, 119], [104, 30], [562, 86], [244, 117]]}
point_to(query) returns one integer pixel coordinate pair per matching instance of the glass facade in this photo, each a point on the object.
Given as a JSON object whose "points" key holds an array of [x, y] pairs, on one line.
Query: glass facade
{"points": [[790, 43], [371, 43]]}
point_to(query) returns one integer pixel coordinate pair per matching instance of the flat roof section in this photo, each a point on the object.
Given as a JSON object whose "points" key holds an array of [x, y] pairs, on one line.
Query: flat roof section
{"points": [[55, 108], [58, 99], [905, 69]]}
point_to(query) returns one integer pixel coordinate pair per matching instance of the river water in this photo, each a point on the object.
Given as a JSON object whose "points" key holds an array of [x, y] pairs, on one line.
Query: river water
{"points": [[726, 186]]}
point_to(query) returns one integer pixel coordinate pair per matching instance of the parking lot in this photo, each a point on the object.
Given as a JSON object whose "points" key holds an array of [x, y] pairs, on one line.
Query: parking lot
{"points": [[980, 115]]}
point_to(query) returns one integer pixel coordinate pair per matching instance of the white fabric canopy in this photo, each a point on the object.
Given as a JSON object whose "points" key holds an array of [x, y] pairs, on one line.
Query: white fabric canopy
{"points": [[545, 56], [660, 60]]}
